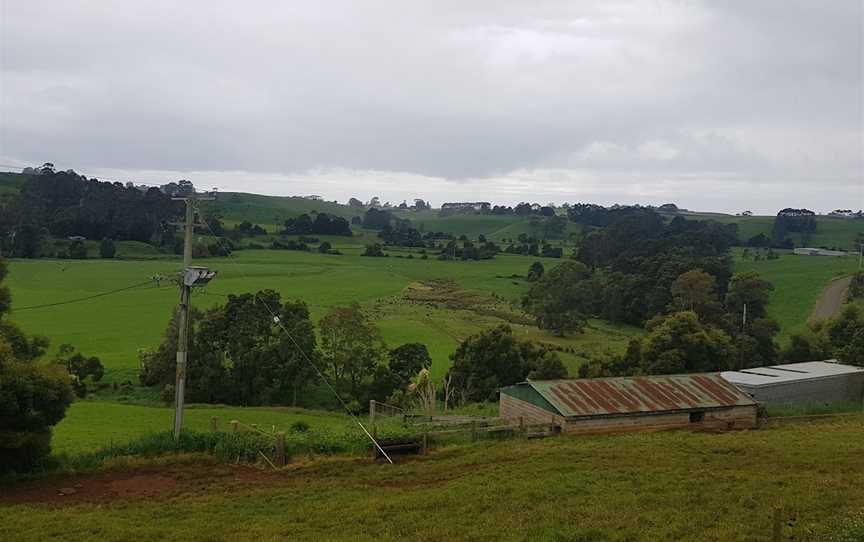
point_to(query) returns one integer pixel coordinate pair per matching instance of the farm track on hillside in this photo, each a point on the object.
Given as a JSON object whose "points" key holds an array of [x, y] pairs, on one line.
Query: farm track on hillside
{"points": [[831, 299]]}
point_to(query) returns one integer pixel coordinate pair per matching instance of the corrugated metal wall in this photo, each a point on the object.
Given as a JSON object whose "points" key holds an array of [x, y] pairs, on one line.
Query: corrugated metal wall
{"points": [[848, 387]]}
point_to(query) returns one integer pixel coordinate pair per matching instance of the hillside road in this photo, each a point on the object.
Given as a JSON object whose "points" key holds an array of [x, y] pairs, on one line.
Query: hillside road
{"points": [[831, 299]]}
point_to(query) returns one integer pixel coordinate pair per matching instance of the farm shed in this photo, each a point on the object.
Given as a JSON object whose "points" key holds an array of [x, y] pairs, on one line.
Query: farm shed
{"points": [[807, 251], [797, 382], [630, 403]]}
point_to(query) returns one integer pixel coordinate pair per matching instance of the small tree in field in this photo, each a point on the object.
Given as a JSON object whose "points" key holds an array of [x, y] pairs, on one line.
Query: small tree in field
{"points": [[535, 272], [494, 358], [561, 300], [78, 250], [107, 248]]}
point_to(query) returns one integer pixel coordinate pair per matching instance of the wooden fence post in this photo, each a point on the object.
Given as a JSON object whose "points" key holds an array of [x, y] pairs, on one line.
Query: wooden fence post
{"points": [[235, 426], [371, 411], [777, 532], [374, 440], [425, 448], [522, 426], [214, 423], [280, 448], [474, 430]]}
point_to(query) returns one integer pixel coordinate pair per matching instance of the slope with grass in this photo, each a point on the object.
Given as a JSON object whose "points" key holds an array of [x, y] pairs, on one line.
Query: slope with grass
{"points": [[114, 327], [657, 486], [830, 232], [798, 281]]}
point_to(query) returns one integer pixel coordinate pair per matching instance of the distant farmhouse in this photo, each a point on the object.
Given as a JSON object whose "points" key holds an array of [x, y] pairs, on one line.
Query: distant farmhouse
{"points": [[631, 403], [468, 207], [807, 251], [800, 382]]}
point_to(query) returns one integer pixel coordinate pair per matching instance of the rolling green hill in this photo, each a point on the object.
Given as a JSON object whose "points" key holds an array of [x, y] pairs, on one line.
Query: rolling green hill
{"points": [[272, 211], [830, 231], [115, 326]]}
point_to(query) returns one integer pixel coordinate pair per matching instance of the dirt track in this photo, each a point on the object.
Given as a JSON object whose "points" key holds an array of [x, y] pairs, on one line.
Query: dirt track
{"points": [[831, 299]]}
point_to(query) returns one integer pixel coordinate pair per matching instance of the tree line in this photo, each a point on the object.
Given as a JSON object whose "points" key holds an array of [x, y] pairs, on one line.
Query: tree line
{"points": [[64, 204], [257, 349]]}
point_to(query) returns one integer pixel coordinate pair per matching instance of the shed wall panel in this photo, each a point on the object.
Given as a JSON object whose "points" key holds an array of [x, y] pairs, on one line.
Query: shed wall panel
{"points": [[838, 388], [512, 408]]}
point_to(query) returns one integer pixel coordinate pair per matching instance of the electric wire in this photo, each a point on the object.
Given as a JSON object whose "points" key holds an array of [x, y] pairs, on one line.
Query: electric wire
{"points": [[80, 299]]}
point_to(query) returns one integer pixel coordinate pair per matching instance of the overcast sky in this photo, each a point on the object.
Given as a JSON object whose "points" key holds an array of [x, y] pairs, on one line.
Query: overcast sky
{"points": [[712, 105]]}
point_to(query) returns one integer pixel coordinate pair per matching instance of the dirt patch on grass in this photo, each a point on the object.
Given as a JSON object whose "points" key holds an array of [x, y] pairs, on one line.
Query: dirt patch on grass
{"points": [[447, 294], [139, 483]]}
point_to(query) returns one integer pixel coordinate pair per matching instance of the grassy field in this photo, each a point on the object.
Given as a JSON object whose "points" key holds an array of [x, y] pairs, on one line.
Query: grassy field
{"points": [[830, 232], [115, 326], [651, 486], [90, 425], [798, 281]]}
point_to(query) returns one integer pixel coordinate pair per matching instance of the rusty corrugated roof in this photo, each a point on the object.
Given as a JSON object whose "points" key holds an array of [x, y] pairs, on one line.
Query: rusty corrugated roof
{"points": [[625, 395]]}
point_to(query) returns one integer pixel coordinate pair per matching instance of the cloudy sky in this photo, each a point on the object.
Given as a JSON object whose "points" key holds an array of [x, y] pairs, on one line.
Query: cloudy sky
{"points": [[713, 105]]}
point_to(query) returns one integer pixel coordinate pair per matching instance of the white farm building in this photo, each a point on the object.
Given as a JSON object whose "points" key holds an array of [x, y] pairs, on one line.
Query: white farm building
{"points": [[826, 381]]}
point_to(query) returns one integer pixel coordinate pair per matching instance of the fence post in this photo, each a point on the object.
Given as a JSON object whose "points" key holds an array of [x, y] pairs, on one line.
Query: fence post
{"points": [[522, 426], [235, 426], [280, 448], [374, 439], [214, 423], [371, 411], [425, 449], [778, 525], [474, 430]]}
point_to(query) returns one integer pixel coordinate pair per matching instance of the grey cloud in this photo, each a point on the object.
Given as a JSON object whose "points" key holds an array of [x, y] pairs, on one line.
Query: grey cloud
{"points": [[766, 91]]}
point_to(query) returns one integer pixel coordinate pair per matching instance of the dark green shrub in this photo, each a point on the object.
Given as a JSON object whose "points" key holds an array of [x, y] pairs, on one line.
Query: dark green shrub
{"points": [[299, 427], [33, 398]]}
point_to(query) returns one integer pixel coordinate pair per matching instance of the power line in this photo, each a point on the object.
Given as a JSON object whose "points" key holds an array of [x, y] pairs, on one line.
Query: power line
{"points": [[80, 299], [318, 371]]}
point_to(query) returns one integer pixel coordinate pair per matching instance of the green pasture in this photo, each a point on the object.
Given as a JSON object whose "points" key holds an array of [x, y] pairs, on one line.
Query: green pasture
{"points": [[650, 486], [114, 327], [90, 425], [798, 281], [830, 231], [272, 211]]}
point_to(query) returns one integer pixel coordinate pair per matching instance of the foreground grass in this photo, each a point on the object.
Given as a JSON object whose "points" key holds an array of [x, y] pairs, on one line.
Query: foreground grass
{"points": [[661, 486]]}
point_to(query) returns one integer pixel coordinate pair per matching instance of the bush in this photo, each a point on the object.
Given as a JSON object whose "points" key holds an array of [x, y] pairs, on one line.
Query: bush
{"points": [[33, 398], [78, 250], [299, 427], [107, 248], [374, 250], [167, 394]]}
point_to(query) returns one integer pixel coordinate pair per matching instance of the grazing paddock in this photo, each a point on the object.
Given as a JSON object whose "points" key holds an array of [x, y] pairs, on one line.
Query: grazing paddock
{"points": [[650, 486]]}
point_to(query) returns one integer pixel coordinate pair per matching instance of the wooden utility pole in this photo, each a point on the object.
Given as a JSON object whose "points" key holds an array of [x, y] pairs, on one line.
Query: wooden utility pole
{"points": [[189, 277]]}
